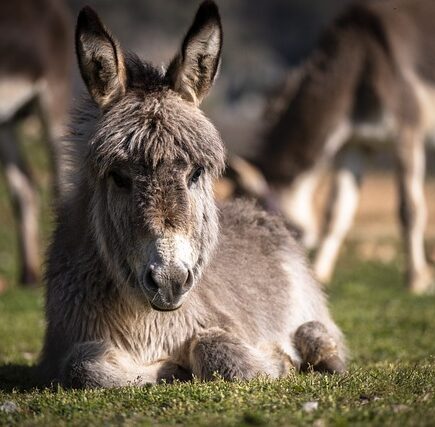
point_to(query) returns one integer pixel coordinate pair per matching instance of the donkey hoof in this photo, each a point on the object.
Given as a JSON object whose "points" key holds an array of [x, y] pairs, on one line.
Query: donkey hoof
{"points": [[331, 365], [423, 283]]}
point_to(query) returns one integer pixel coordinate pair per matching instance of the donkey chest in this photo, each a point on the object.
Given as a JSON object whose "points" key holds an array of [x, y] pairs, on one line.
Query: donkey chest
{"points": [[162, 335]]}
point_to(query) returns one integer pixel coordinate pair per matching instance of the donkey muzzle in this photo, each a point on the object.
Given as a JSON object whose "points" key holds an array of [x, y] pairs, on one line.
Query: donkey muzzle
{"points": [[166, 285]]}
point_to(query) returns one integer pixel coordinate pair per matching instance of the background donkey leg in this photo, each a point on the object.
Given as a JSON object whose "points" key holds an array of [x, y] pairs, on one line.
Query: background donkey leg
{"points": [[24, 198], [297, 203], [94, 364], [341, 210], [413, 211], [218, 352], [53, 107], [317, 348]]}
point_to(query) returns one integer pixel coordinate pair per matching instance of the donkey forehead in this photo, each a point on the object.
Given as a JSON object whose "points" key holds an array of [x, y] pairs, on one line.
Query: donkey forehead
{"points": [[156, 129]]}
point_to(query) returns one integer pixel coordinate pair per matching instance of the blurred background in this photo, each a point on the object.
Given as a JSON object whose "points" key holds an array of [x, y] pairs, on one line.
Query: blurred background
{"points": [[263, 40]]}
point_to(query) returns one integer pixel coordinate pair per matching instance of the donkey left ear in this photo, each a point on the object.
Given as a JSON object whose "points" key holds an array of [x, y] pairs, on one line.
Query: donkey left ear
{"points": [[100, 59], [192, 71]]}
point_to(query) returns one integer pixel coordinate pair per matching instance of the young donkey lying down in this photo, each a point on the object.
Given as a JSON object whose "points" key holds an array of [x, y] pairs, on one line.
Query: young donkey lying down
{"points": [[143, 283]]}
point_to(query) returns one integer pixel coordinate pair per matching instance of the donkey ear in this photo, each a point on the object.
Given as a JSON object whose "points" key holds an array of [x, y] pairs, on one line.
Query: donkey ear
{"points": [[100, 59], [192, 71]]}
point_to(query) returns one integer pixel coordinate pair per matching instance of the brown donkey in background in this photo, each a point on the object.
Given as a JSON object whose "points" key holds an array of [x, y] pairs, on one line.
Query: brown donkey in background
{"points": [[370, 82], [35, 62], [146, 279]]}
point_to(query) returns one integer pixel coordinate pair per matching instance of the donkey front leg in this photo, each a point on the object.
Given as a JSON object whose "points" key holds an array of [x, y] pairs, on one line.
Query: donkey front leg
{"points": [[341, 211], [413, 212], [216, 351], [94, 364], [318, 349]]}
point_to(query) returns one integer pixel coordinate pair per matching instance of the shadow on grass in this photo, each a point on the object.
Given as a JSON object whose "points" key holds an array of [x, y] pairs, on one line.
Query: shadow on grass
{"points": [[21, 378]]}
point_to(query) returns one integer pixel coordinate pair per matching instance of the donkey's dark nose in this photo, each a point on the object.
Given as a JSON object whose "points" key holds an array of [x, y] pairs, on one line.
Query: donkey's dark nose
{"points": [[167, 284]]}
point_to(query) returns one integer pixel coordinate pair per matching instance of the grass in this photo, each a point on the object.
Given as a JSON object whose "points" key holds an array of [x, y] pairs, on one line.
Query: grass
{"points": [[391, 378]]}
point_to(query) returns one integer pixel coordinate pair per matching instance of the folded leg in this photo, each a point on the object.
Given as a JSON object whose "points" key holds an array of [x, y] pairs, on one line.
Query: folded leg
{"points": [[94, 364], [216, 351], [317, 348]]}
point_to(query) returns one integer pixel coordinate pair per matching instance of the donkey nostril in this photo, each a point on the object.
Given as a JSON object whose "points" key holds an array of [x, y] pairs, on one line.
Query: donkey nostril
{"points": [[150, 282], [173, 281], [188, 282]]}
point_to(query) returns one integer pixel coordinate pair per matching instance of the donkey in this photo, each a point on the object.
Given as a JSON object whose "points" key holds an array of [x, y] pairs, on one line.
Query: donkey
{"points": [[369, 83], [34, 77], [146, 280]]}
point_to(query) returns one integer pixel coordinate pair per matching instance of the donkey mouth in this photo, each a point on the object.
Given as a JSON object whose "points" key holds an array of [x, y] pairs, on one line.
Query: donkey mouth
{"points": [[157, 308], [159, 303]]}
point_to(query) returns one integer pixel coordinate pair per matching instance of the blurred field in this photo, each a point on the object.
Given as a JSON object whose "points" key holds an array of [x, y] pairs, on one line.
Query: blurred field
{"points": [[391, 380]]}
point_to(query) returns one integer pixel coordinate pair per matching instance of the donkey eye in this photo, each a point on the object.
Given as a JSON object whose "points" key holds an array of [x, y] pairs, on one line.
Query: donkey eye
{"points": [[120, 180], [195, 176]]}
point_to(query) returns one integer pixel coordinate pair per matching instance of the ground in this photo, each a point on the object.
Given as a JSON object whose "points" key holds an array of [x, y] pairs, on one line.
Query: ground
{"points": [[390, 334]]}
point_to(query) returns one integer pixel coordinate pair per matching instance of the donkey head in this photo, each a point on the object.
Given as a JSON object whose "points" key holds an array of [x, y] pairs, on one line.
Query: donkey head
{"points": [[152, 159]]}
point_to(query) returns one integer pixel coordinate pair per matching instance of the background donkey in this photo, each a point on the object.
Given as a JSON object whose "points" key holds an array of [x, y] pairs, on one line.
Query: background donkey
{"points": [[141, 284], [371, 81], [35, 57]]}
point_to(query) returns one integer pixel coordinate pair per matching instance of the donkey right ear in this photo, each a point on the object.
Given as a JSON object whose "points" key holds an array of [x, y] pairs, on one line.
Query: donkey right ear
{"points": [[100, 59], [192, 71]]}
